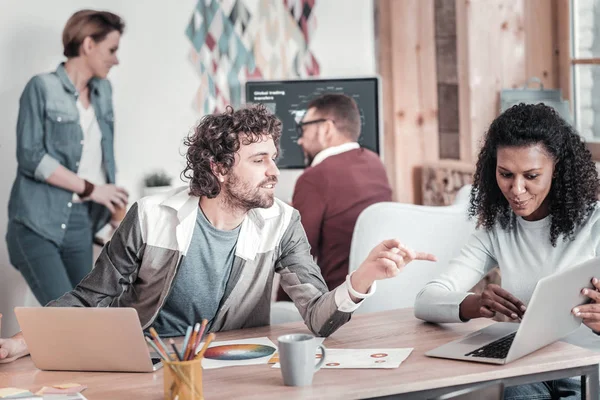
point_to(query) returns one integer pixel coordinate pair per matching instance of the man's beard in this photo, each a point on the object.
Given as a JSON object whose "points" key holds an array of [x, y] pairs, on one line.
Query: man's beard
{"points": [[241, 196]]}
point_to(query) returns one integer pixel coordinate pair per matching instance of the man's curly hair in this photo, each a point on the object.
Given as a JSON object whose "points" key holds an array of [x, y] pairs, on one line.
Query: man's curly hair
{"points": [[218, 137], [575, 183]]}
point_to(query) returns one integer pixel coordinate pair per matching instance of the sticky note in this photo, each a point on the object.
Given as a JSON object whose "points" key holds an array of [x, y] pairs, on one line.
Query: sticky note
{"points": [[5, 392], [63, 388], [66, 385]]}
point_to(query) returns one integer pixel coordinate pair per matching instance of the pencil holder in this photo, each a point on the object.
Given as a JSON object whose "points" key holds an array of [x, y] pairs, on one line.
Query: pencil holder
{"points": [[183, 380]]}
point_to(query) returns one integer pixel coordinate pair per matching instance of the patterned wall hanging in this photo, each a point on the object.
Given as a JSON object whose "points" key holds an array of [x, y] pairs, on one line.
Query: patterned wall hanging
{"points": [[231, 45]]}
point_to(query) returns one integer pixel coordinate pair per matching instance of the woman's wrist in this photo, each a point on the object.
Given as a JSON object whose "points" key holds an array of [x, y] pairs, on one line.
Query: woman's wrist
{"points": [[469, 307], [87, 189]]}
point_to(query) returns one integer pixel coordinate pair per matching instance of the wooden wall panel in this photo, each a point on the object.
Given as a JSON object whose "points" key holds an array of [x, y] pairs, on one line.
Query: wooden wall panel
{"points": [[500, 43], [463, 54], [447, 79], [491, 56], [384, 26], [414, 88], [541, 57], [563, 47]]}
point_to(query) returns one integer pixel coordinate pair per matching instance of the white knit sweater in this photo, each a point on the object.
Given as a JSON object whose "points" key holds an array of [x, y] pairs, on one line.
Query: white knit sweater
{"points": [[524, 255]]}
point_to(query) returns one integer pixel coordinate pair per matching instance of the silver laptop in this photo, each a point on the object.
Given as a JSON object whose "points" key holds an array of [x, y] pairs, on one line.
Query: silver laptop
{"points": [[86, 339], [548, 318]]}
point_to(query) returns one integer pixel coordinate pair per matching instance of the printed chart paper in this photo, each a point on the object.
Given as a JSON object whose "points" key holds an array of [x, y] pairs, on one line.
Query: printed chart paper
{"points": [[363, 358]]}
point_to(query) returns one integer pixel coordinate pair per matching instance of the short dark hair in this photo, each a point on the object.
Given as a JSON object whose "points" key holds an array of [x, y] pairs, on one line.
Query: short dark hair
{"points": [[218, 137], [342, 109], [84, 23], [575, 184]]}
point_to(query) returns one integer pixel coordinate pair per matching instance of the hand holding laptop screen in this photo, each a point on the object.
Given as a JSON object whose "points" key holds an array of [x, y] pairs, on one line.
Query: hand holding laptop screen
{"points": [[590, 313], [492, 300], [556, 295]]}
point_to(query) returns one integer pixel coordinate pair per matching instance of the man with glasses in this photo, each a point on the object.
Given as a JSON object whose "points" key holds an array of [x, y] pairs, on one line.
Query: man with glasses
{"points": [[340, 181]]}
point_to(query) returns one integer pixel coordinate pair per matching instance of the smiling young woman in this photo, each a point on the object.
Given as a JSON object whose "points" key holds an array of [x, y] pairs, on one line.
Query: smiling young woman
{"points": [[535, 200], [533, 164]]}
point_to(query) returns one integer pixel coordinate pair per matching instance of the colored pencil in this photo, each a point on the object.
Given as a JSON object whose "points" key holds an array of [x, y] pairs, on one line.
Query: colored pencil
{"points": [[209, 339], [199, 338], [188, 349], [186, 340], [174, 346], [155, 347], [161, 343]]}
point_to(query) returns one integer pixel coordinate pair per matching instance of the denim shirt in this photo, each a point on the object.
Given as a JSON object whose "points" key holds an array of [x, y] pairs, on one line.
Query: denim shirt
{"points": [[48, 135]]}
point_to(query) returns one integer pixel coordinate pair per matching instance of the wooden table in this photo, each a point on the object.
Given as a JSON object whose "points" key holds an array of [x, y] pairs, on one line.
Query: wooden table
{"points": [[417, 377]]}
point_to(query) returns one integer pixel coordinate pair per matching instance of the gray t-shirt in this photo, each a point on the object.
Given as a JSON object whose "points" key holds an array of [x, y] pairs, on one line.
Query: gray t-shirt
{"points": [[201, 279]]}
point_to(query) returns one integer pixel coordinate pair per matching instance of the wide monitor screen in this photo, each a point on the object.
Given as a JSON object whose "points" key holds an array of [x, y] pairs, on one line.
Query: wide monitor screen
{"points": [[288, 100]]}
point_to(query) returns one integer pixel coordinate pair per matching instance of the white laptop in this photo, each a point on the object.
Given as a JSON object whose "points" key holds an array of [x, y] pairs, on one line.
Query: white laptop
{"points": [[86, 339], [548, 318]]}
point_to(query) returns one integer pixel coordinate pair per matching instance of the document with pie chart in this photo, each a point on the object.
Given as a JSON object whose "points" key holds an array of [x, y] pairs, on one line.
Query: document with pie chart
{"points": [[363, 358]]}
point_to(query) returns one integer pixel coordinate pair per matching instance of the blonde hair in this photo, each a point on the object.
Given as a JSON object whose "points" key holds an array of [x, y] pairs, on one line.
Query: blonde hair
{"points": [[92, 23]]}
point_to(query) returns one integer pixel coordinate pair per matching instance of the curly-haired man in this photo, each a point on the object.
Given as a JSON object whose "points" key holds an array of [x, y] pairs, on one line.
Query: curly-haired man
{"points": [[210, 250]]}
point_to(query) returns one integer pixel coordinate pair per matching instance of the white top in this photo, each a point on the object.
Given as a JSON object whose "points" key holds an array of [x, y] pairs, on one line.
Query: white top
{"points": [[90, 165], [524, 255], [332, 151]]}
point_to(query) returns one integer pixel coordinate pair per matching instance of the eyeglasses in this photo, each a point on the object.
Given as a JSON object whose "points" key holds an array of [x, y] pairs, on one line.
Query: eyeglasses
{"points": [[300, 125]]}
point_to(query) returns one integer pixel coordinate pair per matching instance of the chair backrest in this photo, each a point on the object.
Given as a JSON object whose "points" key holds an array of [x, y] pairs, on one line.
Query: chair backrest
{"points": [[441, 231], [463, 196]]}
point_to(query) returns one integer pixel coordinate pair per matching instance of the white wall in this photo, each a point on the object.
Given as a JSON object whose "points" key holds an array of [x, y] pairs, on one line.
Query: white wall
{"points": [[153, 88]]}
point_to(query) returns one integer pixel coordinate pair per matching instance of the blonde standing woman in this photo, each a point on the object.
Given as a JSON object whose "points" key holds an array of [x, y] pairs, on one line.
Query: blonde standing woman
{"points": [[64, 191]]}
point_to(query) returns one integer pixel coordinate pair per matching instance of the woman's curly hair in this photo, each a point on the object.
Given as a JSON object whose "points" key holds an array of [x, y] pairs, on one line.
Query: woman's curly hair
{"points": [[218, 137], [575, 183]]}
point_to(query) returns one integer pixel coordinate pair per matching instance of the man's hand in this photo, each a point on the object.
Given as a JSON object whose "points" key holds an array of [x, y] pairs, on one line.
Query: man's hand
{"points": [[13, 348], [590, 313], [386, 260], [492, 300]]}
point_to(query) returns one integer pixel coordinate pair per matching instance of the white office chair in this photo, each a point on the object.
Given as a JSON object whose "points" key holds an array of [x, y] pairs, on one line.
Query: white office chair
{"points": [[463, 196], [441, 231], [283, 312]]}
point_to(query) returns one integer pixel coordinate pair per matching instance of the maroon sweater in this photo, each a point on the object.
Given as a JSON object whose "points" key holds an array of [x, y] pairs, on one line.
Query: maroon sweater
{"points": [[329, 197]]}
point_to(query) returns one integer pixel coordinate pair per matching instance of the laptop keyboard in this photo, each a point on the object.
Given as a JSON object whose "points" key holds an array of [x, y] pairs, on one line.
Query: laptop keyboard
{"points": [[497, 349]]}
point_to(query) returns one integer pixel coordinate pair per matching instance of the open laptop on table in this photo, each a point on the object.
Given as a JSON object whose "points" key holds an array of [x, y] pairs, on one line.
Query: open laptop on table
{"points": [[548, 318], [86, 339]]}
